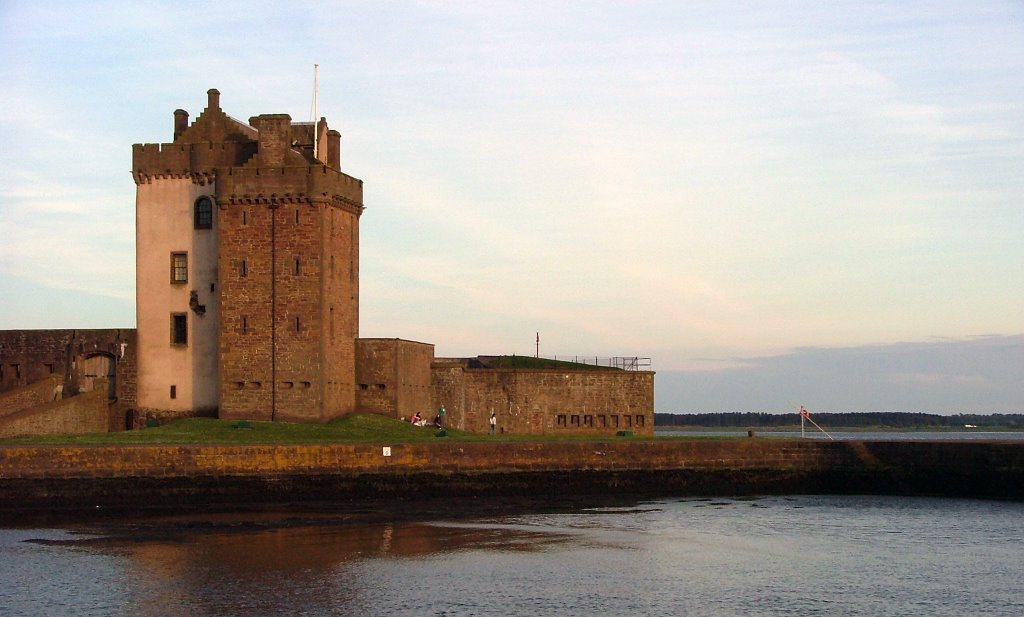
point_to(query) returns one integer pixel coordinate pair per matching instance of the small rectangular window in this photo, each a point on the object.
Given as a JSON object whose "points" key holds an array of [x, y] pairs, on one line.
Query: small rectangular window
{"points": [[561, 420], [615, 421], [628, 421], [179, 329], [174, 391], [602, 421], [243, 269], [245, 324], [298, 266], [639, 420], [574, 420], [179, 267], [588, 420]]}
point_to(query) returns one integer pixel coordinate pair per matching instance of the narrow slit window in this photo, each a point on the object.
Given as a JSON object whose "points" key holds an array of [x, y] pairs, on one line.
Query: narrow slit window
{"points": [[243, 269]]}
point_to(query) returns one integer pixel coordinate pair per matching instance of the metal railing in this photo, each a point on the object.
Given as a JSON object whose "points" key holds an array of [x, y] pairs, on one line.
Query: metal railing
{"points": [[626, 363]]}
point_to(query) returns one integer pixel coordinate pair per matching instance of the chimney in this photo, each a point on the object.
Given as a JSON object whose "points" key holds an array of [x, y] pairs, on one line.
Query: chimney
{"points": [[334, 149], [321, 140], [213, 98], [275, 138], [180, 122]]}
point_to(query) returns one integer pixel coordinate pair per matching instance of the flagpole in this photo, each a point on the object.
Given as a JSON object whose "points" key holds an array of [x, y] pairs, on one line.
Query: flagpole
{"points": [[804, 414], [316, 110]]}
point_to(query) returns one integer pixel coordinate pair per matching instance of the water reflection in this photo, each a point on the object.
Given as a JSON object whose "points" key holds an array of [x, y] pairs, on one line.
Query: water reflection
{"points": [[233, 565], [716, 556]]}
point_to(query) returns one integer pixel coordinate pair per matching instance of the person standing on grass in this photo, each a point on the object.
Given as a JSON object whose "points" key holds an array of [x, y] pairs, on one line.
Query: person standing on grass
{"points": [[494, 423], [440, 417]]}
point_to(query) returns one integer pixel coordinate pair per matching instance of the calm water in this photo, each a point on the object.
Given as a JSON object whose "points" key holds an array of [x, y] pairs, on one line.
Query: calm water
{"points": [[804, 555], [813, 433]]}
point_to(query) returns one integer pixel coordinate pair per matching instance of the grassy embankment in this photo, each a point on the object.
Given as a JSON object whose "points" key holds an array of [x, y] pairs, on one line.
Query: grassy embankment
{"points": [[354, 428]]}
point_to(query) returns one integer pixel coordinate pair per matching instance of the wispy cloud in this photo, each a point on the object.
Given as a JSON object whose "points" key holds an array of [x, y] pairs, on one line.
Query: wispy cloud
{"points": [[688, 181]]}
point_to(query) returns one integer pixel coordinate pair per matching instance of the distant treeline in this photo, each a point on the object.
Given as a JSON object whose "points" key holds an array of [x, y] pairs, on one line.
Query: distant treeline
{"points": [[882, 419]]}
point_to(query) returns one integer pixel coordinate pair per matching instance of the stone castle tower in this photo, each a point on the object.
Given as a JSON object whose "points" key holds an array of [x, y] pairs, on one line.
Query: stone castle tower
{"points": [[247, 269]]}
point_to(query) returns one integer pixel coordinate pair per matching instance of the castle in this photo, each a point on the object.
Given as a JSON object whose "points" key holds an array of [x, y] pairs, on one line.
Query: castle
{"points": [[247, 304]]}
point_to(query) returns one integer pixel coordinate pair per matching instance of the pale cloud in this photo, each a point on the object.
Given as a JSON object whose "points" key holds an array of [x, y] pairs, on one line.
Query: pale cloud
{"points": [[688, 181]]}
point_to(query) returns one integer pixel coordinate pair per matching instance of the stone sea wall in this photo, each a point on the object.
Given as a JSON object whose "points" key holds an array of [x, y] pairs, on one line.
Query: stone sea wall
{"points": [[48, 478]]}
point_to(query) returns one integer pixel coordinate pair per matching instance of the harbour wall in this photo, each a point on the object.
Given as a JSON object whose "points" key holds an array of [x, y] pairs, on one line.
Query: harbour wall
{"points": [[53, 479]]}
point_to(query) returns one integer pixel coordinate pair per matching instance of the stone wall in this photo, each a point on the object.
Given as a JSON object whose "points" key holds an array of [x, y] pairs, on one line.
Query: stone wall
{"points": [[89, 412], [546, 401], [288, 310], [40, 393], [30, 356], [393, 377], [47, 478]]}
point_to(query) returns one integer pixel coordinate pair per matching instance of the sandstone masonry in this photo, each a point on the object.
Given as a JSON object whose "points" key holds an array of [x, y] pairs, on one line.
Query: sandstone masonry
{"points": [[247, 305]]}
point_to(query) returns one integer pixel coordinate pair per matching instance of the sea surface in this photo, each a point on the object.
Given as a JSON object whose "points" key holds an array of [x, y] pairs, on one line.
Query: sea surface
{"points": [[780, 555], [813, 433]]}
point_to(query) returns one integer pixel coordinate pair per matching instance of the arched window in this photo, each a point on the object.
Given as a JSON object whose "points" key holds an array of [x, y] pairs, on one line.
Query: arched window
{"points": [[204, 213]]}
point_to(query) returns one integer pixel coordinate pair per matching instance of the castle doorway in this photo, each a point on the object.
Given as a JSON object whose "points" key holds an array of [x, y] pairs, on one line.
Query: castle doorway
{"points": [[93, 367]]}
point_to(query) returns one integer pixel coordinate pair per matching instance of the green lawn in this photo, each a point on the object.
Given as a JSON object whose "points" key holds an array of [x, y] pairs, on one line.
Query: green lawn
{"points": [[354, 428]]}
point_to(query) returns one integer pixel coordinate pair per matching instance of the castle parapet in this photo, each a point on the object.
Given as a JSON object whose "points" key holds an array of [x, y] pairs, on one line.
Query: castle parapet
{"points": [[264, 184], [182, 160]]}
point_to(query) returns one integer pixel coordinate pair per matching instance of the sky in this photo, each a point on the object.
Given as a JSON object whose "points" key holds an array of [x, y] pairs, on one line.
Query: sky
{"points": [[779, 203]]}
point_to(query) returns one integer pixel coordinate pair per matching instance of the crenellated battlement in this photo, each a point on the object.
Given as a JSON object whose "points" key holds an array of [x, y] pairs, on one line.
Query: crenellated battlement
{"points": [[187, 159], [276, 184]]}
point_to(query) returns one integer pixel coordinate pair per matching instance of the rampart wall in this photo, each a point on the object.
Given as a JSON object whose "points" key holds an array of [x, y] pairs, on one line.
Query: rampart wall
{"points": [[38, 393], [546, 401], [76, 358], [34, 479], [393, 376], [89, 412]]}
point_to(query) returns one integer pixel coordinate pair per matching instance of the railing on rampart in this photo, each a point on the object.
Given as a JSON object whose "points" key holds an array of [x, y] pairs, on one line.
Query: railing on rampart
{"points": [[626, 363]]}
